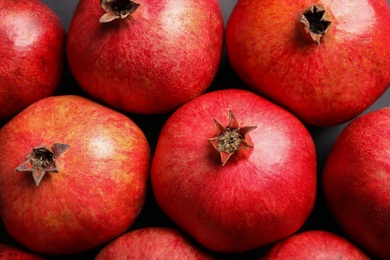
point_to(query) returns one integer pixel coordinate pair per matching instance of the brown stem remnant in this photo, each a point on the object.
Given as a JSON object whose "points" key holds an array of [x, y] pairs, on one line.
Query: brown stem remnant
{"points": [[41, 159], [230, 139], [316, 22], [117, 9]]}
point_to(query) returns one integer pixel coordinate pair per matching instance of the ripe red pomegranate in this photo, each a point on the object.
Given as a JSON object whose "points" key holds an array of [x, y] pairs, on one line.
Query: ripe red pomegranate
{"points": [[89, 167], [146, 56], [31, 54], [234, 180], [314, 244], [356, 181], [8, 252], [326, 61], [152, 243]]}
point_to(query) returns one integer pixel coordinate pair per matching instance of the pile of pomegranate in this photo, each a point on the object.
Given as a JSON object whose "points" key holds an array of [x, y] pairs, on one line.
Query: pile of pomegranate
{"points": [[180, 129]]}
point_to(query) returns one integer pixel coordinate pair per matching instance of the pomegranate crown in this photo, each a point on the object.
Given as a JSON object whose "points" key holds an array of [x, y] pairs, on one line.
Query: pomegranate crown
{"points": [[230, 139], [117, 9]]}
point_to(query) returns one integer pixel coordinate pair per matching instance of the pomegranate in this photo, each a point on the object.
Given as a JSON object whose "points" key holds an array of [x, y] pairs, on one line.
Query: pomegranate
{"points": [[152, 243], [146, 57], [31, 54], [326, 61], [234, 180], [89, 167], [8, 252], [356, 181], [315, 244]]}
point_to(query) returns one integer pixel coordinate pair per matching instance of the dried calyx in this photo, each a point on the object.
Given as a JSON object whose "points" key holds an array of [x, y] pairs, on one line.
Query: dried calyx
{"points": [[230, 139], [41, 159], [117, 9], [316, 22]]}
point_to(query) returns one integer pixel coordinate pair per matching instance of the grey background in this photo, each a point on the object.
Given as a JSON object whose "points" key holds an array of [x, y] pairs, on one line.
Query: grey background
{"points": [[151, 125]]}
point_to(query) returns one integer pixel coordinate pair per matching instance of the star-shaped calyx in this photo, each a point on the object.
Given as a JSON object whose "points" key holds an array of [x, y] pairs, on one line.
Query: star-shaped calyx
{"points": [[316, 22], [230, 139], [117, 9], [41, 159]]}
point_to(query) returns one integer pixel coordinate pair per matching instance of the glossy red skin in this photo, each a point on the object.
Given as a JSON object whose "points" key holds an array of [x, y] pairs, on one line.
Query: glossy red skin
{"points": [[32, 54], [152, 243], [261, 195], [356, 181], [323, 85], [165, 54], [314, 244], [8, 252], [101, 184]]}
